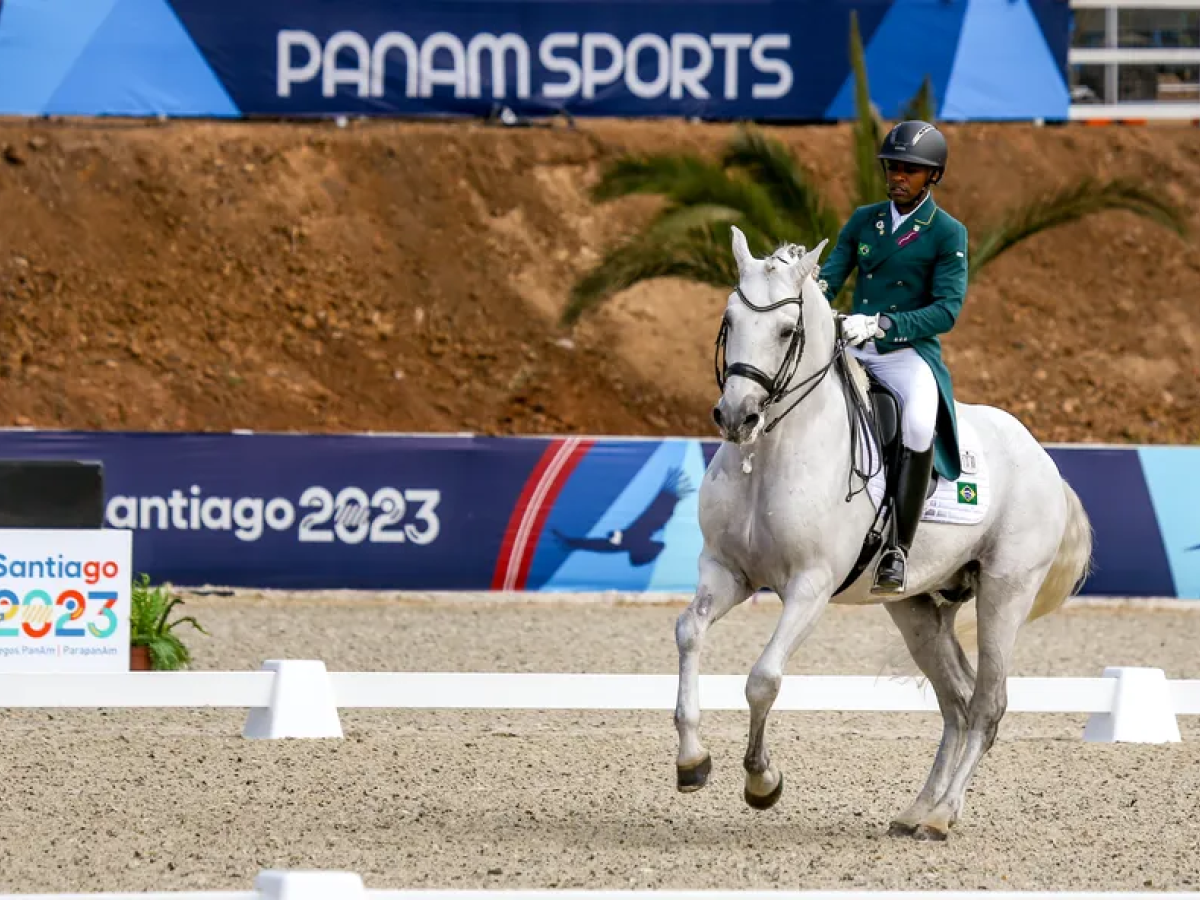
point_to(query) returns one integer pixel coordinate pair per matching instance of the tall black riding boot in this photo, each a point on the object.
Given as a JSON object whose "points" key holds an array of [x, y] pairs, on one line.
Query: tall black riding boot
{"points": [[891, 575]]}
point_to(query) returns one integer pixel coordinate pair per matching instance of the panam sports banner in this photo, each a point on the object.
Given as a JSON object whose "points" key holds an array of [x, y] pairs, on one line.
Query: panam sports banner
{"points": [[534, 514], [769, 59]]}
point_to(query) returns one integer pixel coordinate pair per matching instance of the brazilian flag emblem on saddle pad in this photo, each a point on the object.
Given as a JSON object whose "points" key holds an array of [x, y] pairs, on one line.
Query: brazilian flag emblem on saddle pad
{"points": [[968, 493]]}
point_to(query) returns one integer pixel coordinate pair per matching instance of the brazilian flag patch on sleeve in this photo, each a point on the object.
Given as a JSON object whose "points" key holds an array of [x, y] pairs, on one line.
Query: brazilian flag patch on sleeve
{"points": [[968, 493]]}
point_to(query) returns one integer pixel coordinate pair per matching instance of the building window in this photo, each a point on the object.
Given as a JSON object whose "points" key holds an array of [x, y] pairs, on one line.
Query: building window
{"points": [[1158, 84], [1087, 84], [1135, 54], [1157, 27]]}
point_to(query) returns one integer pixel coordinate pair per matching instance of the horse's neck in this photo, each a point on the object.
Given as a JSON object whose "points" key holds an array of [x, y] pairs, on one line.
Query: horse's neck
{"points": [[816, 428], [818, 413]]}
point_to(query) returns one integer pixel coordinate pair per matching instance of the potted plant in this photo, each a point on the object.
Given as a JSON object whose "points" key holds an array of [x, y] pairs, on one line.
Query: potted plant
{"points": [[153, 643]]}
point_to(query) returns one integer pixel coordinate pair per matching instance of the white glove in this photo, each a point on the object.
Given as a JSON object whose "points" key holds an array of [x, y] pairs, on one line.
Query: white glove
{"points": [[859, 329]]}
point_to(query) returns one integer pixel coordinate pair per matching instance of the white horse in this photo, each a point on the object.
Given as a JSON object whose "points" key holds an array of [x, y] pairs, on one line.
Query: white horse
{"points": [[775, 513]]}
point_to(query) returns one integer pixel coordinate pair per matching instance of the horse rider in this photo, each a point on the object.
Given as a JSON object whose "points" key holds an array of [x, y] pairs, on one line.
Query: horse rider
{"points": [[911, 259]]}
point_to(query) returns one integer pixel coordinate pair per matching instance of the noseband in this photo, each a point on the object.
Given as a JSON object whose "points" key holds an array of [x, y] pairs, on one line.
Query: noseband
{"points": [[776, 386]]}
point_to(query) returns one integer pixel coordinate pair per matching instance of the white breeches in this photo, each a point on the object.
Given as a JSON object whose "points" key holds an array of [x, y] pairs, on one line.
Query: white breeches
{"points": [[909, 376]]}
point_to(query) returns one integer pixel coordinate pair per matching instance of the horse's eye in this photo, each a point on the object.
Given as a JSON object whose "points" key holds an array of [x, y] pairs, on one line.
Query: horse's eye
{"points": [[788, 333]]}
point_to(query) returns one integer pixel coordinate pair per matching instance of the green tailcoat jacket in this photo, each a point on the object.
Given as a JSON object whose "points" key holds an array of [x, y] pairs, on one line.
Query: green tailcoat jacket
{"points": [[917, 278]]}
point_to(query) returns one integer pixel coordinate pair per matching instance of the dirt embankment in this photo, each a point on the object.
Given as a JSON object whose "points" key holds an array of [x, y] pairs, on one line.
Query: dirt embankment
{"points": [[408, 277]]}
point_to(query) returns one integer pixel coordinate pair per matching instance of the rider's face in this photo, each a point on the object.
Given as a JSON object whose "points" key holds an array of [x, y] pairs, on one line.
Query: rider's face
{"points": [[905, 181]]}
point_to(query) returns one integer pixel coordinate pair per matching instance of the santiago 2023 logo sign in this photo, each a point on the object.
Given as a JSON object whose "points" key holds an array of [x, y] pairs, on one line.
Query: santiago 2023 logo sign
{"points": [[65, 600]]}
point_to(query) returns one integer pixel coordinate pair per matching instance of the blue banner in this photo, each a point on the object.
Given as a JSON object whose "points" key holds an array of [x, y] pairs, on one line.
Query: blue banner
{"points": [[772, 59], [1129, 555], [1170, 474], [290, 511], [541, 514]]}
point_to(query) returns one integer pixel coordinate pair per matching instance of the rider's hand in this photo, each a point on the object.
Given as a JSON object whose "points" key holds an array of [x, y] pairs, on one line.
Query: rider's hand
{"points": [[859, 329]]}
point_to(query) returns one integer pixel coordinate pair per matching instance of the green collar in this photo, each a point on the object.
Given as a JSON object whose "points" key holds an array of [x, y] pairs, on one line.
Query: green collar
{"points": [[929, 213], [928, 209]]}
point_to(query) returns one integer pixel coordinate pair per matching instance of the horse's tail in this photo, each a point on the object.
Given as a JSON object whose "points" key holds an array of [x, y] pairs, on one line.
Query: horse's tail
{"points": [[1073, 562]]}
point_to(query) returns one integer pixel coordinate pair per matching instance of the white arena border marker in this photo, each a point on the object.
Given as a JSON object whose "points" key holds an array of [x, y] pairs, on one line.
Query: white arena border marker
{"points": [[302, 703], [279, 884], [1142, 711]]}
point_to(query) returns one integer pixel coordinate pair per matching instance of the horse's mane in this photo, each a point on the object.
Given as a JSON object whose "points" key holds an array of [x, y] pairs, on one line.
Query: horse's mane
{"points": [[788, 254]]}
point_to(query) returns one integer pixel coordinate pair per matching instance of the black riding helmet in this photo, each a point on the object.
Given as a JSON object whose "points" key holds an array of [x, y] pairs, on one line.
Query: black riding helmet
{"points": [[918, 143]]}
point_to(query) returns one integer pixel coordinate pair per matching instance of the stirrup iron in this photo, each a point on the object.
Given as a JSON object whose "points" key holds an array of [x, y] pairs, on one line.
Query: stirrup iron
{"points": [[889, 552]]}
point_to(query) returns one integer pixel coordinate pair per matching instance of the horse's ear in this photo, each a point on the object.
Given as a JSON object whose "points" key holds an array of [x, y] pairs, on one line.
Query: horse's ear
{"points": [[808, 262], [741, 250]]}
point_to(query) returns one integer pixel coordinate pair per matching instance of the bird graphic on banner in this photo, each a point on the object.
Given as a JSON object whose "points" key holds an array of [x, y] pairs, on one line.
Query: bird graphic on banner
{"points": [[637, 538]]}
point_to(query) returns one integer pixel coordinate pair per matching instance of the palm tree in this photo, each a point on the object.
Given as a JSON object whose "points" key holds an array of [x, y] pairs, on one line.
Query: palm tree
{"points": [[758, 185]]}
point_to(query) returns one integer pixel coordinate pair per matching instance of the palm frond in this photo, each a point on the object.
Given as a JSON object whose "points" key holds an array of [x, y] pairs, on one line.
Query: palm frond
{"points": [[187, 620], [677, 221], [1070, 204], [922, 105], [700, 255], [770, 164], [658, 174], [689, 181], [868, 128]]}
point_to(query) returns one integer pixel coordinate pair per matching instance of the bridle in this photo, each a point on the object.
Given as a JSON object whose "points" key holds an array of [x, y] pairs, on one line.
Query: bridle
{"points": [[776, 386]]}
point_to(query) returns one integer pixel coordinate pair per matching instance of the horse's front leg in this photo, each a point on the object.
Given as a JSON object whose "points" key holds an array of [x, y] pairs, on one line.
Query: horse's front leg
{"points": [[719, 590], [803, 601]]}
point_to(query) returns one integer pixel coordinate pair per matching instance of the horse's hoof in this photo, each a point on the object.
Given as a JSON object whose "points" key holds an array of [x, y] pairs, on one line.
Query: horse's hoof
{"points": [[692, 778], [901, 829], [765, 802], [930, 833]]}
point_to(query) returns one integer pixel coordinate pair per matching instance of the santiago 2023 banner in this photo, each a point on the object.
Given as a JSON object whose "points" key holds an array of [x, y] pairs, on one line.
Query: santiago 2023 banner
{"points": [[522, 513]]}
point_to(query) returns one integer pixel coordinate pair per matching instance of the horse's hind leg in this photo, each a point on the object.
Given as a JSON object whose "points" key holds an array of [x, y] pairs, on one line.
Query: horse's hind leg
{"points": [[928, 631], [1003, 605], [718, 591]]}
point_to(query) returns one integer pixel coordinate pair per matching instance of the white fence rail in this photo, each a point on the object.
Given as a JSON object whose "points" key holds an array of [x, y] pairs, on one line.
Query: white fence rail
{"points": [[300, 885], [300, 699]]}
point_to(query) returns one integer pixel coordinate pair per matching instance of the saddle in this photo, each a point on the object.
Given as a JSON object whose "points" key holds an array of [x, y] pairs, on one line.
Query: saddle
{"points": [[886, 411]]}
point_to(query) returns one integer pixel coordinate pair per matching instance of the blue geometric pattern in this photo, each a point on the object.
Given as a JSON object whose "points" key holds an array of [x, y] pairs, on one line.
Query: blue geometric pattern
{"points": [[110, 57], [985, 59], [1004, 68], [912, 41], [1171, 476], [32, 68]]}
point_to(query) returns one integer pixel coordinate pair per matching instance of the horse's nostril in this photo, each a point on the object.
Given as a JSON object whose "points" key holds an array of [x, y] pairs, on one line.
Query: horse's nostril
{"points": [[716, 414]]}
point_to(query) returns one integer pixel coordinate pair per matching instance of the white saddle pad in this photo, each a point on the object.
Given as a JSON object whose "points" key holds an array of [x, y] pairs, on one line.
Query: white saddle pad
{"points": [[964, 501]]}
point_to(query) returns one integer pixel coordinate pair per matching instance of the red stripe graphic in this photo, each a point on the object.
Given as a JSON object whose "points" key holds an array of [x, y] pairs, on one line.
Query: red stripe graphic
{"points": [[577, 453], [514, 521], [533, 507]]}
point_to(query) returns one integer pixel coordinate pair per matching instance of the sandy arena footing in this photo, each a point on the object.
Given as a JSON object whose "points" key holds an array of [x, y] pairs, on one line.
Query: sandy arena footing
{"points": [[174, 800]]}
